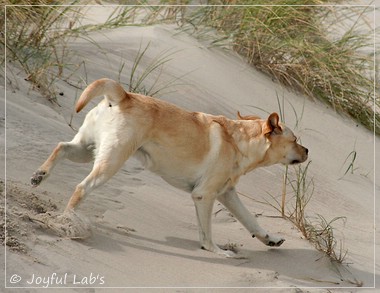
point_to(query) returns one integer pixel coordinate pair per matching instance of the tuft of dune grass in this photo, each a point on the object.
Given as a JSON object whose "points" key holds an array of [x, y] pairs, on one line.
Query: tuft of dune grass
{"points": [[294, 44], [35, 40], [37, 36]]}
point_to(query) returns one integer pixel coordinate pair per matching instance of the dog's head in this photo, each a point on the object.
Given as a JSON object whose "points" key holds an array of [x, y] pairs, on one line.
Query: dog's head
{"points": [[283, 147]]}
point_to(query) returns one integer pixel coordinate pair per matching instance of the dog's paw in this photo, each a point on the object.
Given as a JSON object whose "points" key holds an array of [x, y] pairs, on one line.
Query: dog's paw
{"points": [[69, 224], [224, 252], [272, 241], [276, 243], [37, 177], [231, 254]]}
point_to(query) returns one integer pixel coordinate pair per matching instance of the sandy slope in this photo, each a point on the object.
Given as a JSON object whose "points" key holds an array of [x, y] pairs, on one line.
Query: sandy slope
{"points": [[144, 231]]}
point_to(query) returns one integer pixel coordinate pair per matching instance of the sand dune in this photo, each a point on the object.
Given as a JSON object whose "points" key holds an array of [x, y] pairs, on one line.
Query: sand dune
{"points": [[144, 231]]}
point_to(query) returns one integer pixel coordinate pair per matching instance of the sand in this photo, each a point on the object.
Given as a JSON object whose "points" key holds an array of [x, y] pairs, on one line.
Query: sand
{"points": [[144, 232]]}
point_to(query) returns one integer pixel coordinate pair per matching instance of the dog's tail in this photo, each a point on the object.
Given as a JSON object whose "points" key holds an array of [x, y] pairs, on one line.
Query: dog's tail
{"points": [[112, 90]]}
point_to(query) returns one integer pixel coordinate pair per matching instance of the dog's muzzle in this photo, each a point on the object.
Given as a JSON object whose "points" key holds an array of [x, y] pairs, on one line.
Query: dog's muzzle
{"points": [[303, 159]]}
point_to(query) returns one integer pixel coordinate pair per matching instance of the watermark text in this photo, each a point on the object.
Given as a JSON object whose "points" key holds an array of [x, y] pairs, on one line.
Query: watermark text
{"points": [[58, 280]]}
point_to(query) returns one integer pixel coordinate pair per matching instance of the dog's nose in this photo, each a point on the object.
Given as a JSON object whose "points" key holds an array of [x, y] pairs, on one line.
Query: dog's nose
{"points": [[307, 151]]}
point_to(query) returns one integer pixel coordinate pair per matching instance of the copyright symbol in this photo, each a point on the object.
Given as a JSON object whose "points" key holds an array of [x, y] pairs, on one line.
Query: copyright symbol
{"points": [[15, 279]]}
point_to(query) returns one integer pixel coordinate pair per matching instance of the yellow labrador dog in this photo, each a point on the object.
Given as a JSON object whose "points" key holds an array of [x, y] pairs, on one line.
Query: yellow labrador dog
{"points": [[200, 153]]}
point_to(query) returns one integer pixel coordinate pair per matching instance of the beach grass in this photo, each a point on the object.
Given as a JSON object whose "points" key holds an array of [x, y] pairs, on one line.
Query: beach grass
{"points": [[297, 192], [319, 232], [296, 45], [40, 45]]}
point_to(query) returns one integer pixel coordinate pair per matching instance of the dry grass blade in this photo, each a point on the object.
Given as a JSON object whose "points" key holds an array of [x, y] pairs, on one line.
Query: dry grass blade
{"points": [[139, 75]]}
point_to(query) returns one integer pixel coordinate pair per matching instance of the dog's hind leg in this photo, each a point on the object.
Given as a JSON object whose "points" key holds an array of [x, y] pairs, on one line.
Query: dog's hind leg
{"points": [[109, 160], [74, 151], [232, 202]]}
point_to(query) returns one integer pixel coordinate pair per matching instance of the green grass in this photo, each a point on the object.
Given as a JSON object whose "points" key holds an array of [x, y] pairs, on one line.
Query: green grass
{"points": [[290, 43], [40, 45], [287, 42], [319, 231], [137, 78]]}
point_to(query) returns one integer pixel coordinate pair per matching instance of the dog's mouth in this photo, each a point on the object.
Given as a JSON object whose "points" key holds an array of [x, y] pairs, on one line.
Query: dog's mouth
{"points": [[298, 161], [295, 162]]}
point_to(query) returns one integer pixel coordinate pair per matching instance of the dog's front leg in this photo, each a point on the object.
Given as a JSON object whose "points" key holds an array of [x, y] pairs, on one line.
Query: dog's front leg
{"points": [[232, 202], [203, 207]]}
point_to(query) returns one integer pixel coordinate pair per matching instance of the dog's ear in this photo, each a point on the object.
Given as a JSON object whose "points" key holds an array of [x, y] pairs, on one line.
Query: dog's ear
{"points": [[250, 117], [271, 125]]}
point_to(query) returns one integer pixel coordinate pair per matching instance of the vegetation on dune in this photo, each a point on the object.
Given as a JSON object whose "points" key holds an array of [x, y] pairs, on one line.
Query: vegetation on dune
{"points": [[37, 36], [292, 43], [35, 40], [296, 46]]}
